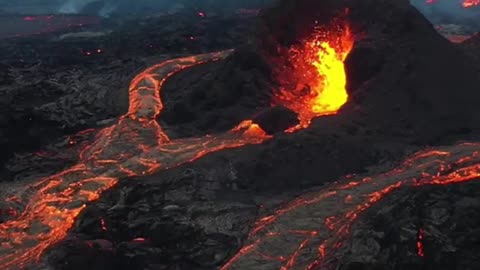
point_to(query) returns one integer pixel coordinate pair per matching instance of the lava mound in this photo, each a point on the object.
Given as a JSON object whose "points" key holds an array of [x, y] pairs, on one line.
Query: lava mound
{"points": [[403, 77], [407, 87]]}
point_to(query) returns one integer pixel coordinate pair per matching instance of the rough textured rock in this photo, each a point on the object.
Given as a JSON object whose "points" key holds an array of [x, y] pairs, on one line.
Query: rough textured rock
{"points": [[53, 85], [276, 119], [472, 46], [190, 219], [387, 236]]}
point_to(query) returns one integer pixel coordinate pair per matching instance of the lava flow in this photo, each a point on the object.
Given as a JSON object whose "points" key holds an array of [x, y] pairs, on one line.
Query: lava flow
{"points": [[307, 233], [464, 3], [136, 145], [470, 3], [316, 83]]}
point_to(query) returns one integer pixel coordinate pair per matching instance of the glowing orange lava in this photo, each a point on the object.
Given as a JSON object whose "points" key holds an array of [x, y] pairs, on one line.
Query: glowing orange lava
{"points": [[136, 145], [306, 233], [470, 3], [318, 84]]}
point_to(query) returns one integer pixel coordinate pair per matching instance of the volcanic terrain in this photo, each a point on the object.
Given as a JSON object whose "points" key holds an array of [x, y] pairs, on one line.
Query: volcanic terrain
{"points": [[335, 134]]}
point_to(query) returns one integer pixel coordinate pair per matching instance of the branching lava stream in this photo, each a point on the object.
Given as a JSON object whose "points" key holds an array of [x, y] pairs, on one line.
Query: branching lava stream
{"points": [[306, 233], [136, 145]]}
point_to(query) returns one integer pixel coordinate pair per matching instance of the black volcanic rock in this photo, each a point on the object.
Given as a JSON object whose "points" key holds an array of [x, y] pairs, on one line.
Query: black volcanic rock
{"points": [[448, 219], [276, 119], [472, 47], [217, 96]]}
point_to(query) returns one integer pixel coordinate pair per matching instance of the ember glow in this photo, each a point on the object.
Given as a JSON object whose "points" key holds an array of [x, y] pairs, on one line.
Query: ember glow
{"points": [[420, 249], [312, 228], [317, 86]]}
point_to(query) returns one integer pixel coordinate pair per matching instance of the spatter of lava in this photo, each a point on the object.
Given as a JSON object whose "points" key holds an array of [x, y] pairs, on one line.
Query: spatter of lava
{"points": [[306, 233], [315, 84], [135, 146]]}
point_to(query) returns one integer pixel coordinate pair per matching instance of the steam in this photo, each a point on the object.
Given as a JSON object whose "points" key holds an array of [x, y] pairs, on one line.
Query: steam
{"points": [[107, 10], [74, 6], [449, 12]]}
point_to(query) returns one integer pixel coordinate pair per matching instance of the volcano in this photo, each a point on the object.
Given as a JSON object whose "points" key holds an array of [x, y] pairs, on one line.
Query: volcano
{"points": [[298, 150]]}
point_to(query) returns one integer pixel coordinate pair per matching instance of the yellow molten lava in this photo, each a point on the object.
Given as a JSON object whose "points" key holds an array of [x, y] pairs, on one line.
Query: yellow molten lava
{"points": [[331, 90], [316, 84]]}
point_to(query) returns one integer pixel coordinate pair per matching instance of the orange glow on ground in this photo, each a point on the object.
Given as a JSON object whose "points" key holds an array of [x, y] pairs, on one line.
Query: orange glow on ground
{"points": [[317, 86]]}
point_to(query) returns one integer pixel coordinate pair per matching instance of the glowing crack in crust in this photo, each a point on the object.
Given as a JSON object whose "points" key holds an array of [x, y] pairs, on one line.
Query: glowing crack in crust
{"points": [[136, 145], [306, 233]]}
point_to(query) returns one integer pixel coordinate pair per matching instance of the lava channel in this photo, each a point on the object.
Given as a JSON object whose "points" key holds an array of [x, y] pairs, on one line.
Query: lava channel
{"points": [[306, 233], [135, 146]]}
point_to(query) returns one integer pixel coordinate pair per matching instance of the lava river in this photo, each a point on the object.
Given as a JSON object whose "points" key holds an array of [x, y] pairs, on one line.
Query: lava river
{"points": [[136, 145]]}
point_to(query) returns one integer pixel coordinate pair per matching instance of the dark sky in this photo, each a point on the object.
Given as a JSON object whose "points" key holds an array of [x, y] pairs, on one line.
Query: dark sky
{"points": [[73, 6], [444, 11]]}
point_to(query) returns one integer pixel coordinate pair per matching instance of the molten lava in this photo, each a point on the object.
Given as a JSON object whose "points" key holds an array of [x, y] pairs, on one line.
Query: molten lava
{"points": [[315, 85]]}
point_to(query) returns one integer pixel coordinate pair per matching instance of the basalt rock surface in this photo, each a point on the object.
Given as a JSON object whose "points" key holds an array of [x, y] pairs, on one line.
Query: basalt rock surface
{"points": [[388, 236], [472, 46]]}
